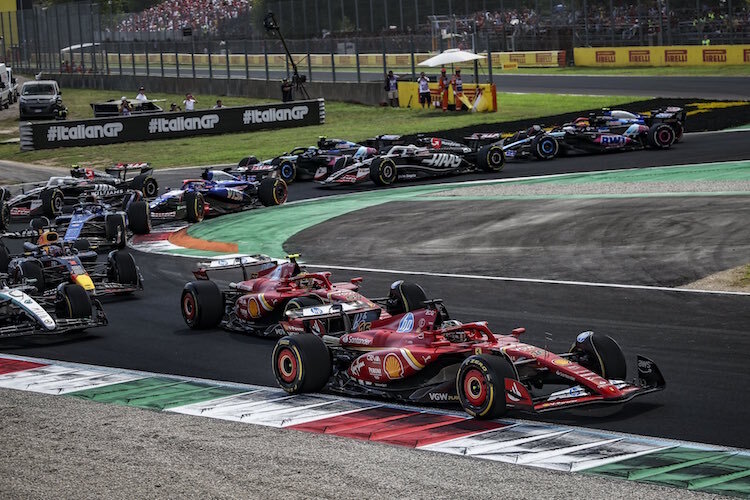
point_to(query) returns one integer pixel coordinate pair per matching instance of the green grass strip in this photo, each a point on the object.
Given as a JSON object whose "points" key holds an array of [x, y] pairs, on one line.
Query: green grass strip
{"points": [[155, 393]]}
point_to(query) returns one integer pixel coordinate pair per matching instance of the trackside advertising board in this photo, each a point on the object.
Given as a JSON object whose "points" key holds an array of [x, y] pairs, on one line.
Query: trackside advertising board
{"points": [[675, 55], [147, 127]]}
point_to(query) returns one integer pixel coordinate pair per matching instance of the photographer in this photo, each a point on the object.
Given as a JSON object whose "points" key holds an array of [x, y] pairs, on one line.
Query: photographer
{"points": [[286, 90]]}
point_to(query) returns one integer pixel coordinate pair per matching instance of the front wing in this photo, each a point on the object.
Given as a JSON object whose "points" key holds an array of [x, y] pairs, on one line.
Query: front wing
{"points": [[649, 380]]}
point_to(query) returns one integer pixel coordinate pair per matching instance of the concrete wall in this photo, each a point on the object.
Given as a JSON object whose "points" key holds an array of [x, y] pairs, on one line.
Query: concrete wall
{"points": [[370, 93]]}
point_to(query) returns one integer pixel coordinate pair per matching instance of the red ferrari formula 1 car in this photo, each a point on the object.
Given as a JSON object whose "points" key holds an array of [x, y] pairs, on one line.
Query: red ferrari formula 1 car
{"points": [[268, 291], [418, 354]]}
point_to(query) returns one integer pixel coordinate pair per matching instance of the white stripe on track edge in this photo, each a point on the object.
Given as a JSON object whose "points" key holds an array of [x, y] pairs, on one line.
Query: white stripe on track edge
{"points": [[526, 280]]}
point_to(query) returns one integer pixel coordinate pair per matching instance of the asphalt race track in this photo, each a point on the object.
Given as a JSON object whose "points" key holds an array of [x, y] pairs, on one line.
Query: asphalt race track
{"points": [[700, 341]]}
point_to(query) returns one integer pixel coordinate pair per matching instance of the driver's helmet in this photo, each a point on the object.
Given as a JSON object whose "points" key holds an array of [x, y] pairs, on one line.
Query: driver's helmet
{"points": [[90, 198], [404, 297], [321, 142], [53, 250], [207, 175], [533, 130]]}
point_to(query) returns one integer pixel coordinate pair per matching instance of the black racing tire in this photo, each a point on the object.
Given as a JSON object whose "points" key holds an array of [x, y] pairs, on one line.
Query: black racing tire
{"points": [[33, 269], [130, 198], [52, 202], [601, 354], [491, 158], [73, 302], [301, 363], [679, 131], [139, 217], [480, 384], [661, 136], [383, 171], [146, 184], [4, 258], [82, 245], [544, 147], [122, 269], [202, 304], [39, 223], [301, 303], [287, 170], [195, 206], [115, 229], [4, 215], [272, 192]]}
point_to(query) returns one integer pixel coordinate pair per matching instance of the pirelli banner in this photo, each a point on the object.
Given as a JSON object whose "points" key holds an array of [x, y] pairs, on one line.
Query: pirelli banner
{"points": [[147, 127], [676, 55]]}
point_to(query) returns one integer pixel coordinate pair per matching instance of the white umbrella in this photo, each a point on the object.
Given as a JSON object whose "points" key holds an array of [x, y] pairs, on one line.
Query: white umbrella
{"points": [[450, 56]]}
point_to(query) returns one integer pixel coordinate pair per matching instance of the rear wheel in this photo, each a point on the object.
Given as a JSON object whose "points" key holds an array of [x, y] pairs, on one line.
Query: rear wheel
{"points": [[39, 223], [33, 270], [146, 184], [544, 147], [73, 302], [383, 171], [679, 130], [115, 229], [301, 363], [139, 217], [122, 269], [287, 171], [202, 304], [4, 215], [480, 384], [491, 158], [195, 206], [272, 192], [82, 245], [52, 202], [661, 136], [601, 354]]}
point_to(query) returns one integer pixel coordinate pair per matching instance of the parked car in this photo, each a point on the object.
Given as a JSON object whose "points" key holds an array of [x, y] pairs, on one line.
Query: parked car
{"points": [[41, 99]]}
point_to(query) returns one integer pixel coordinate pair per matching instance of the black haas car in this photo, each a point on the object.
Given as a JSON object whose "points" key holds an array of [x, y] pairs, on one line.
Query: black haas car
{"points": [[117, 176]]}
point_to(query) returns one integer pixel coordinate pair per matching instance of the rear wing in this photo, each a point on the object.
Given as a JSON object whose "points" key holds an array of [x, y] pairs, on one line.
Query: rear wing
{"points": [[121, 169], [249, 264]]}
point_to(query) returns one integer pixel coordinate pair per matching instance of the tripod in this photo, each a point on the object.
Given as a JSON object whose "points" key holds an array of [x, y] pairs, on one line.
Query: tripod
{"points": [[298, 81]]}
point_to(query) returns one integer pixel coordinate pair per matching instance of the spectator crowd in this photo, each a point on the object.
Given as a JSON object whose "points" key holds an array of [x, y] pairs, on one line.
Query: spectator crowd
{"points": [[203, 15]]}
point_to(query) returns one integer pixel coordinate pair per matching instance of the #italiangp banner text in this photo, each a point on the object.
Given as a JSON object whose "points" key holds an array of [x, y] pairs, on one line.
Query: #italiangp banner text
{"points": [[147, 127]]}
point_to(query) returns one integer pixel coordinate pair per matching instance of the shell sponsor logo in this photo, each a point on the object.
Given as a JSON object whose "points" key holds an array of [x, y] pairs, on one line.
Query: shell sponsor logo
{"points": [[393, 366], [561, 362], [252, 308]]}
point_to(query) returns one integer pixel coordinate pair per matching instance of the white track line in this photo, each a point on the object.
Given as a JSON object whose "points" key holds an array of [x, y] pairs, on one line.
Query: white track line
{"points": [[525, 280]]}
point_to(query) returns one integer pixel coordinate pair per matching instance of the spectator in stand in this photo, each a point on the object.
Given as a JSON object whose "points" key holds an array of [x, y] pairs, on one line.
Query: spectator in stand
{"points": [[141, 95], [189, 102], [174, 107]]}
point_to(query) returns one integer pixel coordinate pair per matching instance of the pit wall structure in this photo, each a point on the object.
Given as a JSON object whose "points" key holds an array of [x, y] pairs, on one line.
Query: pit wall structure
{"points": [[675, 55]]}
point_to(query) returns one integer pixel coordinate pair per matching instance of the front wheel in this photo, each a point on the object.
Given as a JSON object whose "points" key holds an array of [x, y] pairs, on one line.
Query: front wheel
{"points": [[544, 147], [146, 184], [491, 158], [139, 217], [122, 269], [272, 192], [202, 304], [301, 363], [115, 229], [73, 302], [287, 171], [52, 202], [383, 171], [195, 206], [480, 384], [601, 354]]}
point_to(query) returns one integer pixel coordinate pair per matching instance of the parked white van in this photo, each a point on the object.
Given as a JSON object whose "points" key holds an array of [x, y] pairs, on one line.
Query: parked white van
{"points": [[4, 87]]}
